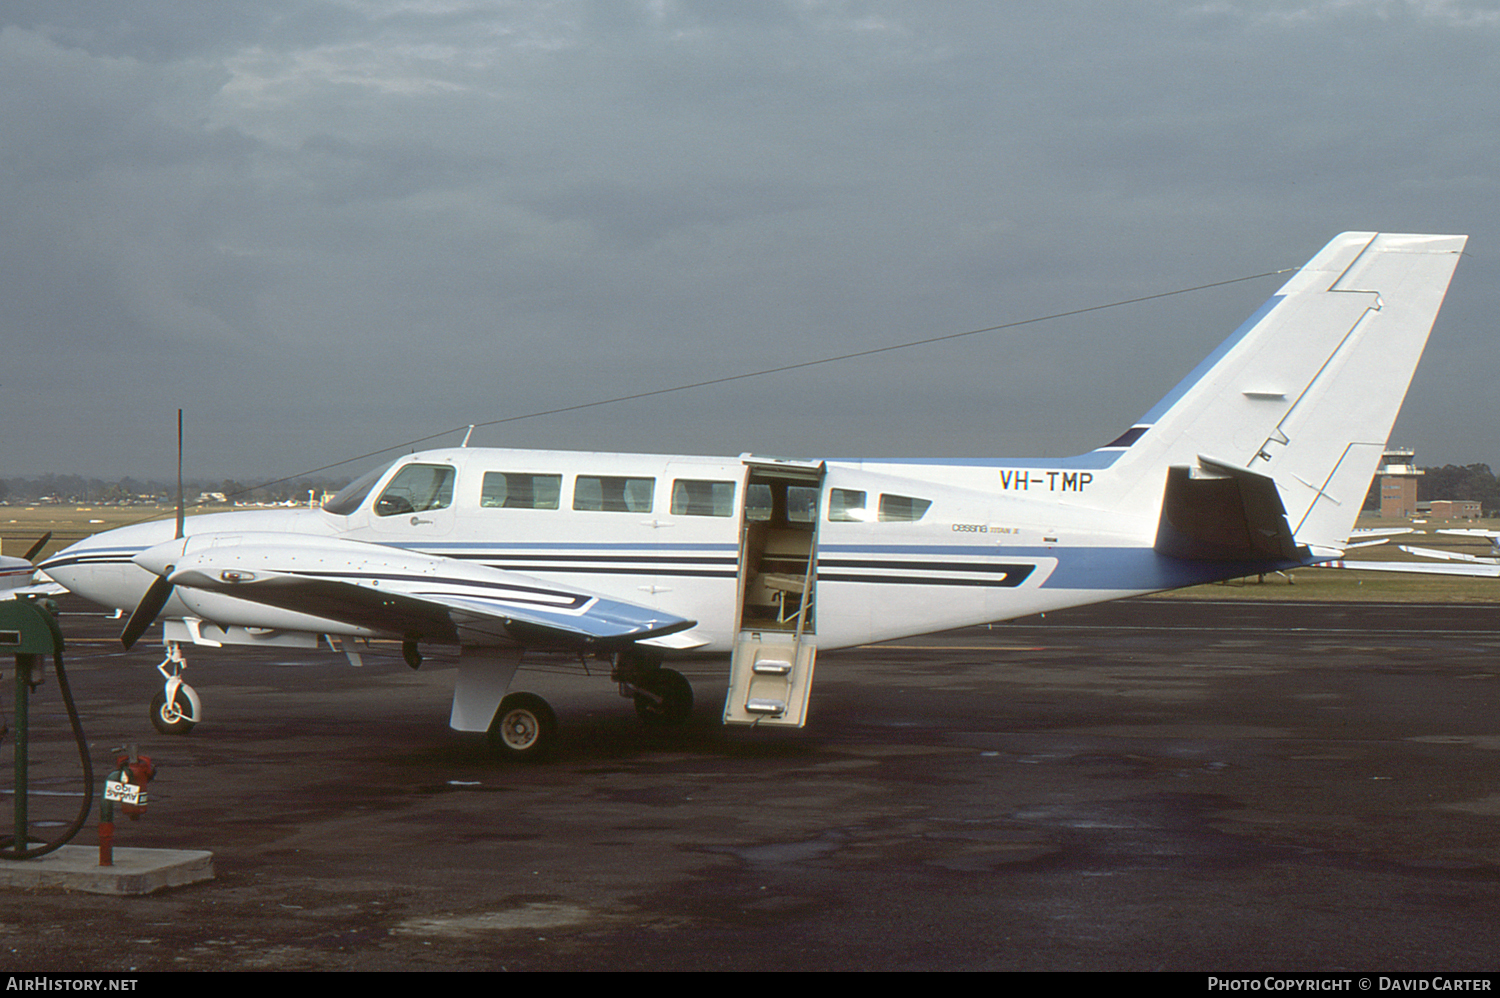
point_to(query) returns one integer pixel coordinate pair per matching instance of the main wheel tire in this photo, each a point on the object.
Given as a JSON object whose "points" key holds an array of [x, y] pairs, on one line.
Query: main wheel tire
{"points": [[675, 699], [524, 728], [170, 719]]}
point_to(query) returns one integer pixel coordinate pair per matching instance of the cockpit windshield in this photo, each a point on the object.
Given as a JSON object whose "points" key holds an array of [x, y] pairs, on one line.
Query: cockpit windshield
{"points": [[417, 488], [352, 495]]}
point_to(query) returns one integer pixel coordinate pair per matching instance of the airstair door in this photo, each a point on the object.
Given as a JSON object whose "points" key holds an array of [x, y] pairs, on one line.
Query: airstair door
{"points": [[771, 667]]}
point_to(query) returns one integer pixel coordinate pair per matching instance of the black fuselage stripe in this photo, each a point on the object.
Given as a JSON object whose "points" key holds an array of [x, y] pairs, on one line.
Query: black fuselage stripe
{"points": [[572, 599], [1001, 582], [925, 566], [87, 559], [608, 558], [614, 570], [829, 569]]}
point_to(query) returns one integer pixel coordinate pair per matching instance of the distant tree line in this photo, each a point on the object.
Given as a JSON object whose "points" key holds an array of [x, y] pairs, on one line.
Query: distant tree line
{"points": [[133, 492], [1471, 481]]}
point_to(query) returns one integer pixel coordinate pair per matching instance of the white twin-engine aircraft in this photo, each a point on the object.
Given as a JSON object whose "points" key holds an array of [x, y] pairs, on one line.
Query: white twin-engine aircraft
{"points": [[1258, 461], [16, 574]]}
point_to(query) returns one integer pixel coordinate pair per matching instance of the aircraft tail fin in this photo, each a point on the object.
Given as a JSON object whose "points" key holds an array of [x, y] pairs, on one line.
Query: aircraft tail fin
{"points": [[1303, 395]]}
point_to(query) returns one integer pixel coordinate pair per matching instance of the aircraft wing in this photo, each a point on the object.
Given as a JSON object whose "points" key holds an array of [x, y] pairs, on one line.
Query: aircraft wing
{"points": [[1417, 567], [404, 594], [1445, 555], [38, 589]]}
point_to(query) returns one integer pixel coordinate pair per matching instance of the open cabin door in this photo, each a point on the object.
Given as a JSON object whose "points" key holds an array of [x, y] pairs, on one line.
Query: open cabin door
{"points": [[771, 668]]}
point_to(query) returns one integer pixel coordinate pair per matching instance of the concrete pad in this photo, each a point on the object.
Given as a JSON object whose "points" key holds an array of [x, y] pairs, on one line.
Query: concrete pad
{"points": [[1178, 785], [135, 871]]}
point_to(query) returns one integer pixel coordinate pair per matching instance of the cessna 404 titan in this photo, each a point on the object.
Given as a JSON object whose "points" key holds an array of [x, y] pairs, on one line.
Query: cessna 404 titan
{"points": [[1258, 461]]}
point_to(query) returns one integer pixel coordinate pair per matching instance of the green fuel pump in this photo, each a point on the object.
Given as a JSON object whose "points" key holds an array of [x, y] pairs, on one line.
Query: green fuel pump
{"points": [[29, 631]]}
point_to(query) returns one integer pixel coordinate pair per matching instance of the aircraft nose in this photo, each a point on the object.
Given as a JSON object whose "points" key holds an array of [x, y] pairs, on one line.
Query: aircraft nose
{"points": [[159, 560], [64, 564]]}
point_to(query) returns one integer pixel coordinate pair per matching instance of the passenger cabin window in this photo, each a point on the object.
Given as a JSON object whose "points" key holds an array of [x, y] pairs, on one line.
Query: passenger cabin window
{"points": [[516, 490], [416, 488], [696, 498], [613, 495], [801, 502], [758, 502], [902, 509], [846, 506]]}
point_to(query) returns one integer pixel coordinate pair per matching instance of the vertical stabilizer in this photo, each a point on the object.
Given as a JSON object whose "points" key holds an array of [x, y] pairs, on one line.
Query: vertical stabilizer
{"points": [[1306, 391]]}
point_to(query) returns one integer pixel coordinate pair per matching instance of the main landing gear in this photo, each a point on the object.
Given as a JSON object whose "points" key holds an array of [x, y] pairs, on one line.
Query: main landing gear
{"points": [[175, 708], [663, 697], [525, 727]]}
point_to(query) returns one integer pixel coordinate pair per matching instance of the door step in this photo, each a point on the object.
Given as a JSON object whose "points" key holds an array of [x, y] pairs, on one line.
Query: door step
{"points": [[770, 677]]}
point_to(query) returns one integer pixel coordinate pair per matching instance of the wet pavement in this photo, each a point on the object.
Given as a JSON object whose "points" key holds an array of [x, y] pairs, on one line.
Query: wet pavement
{"points": [[1161, 784]]}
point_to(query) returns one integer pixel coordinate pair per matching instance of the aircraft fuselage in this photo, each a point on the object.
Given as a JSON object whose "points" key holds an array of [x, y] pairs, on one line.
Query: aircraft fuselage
{"points": [[906, 549]]}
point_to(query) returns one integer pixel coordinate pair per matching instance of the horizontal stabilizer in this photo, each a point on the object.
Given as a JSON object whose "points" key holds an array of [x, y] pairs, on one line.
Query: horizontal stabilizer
{"points": [[1223, 513]]}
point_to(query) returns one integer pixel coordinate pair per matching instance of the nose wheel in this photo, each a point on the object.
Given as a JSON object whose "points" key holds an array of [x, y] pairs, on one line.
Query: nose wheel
{"points": [[175, 708], [172, 718]]}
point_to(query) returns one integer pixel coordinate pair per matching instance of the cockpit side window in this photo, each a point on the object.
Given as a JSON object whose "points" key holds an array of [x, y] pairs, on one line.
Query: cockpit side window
{"points": [[416, 488], [352, 495]]}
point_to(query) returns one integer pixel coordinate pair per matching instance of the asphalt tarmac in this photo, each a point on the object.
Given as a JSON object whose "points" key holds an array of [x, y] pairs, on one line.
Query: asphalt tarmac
{"points": [[1151, 785]]}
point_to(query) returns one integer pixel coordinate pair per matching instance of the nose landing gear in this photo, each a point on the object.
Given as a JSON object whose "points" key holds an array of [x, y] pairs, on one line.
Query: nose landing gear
{"points": [[175, 708]]}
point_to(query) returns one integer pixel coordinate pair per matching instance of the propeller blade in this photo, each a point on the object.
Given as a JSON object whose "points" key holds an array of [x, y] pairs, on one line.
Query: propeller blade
{"points": [[37, 547], [144, 615]]}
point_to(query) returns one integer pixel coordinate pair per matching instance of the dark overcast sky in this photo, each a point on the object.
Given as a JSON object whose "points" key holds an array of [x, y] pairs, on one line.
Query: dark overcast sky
{"points": [[323, 228]]}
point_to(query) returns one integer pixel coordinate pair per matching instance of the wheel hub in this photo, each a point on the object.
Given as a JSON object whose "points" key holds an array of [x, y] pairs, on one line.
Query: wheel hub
{"points": [[520, 729]]}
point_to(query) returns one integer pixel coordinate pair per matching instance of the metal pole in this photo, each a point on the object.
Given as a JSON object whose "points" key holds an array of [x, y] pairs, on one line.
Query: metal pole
{"points": [[24, 665]]}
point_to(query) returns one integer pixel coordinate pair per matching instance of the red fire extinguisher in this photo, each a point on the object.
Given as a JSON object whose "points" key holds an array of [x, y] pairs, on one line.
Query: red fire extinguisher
{"points": [[125, 786]]}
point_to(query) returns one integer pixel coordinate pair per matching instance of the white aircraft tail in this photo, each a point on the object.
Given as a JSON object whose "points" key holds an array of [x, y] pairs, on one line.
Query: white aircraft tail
{"points": [[1294, 408]]}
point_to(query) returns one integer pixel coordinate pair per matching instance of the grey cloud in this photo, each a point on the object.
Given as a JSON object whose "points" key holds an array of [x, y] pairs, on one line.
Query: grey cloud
{"points": [[347, 224]]}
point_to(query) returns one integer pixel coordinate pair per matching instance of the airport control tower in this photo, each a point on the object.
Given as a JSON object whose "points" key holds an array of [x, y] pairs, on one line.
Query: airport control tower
{"points": [[1398, 484]]}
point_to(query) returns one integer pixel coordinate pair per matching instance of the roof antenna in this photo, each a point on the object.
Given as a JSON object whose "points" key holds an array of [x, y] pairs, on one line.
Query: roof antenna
{"points": [[179, 474], [467, 436], [156, 595]]}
